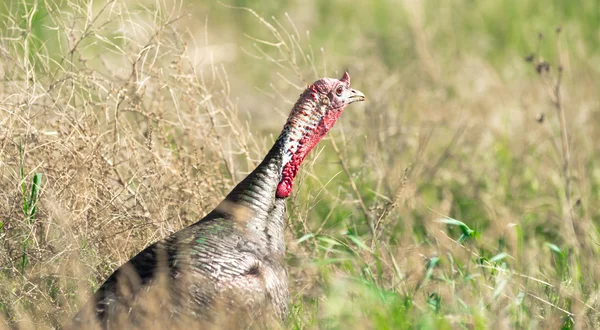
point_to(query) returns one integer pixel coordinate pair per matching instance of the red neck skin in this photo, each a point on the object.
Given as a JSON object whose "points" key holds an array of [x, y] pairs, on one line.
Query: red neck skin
{"points": [[305, 145]]}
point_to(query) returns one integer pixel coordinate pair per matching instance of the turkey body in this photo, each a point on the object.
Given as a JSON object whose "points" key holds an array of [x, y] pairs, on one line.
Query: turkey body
{"points": [[231, 261], [228, 269]]}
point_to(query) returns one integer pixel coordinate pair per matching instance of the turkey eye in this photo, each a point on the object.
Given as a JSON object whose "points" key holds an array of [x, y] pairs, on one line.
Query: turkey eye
{"points": [[339, 90]]}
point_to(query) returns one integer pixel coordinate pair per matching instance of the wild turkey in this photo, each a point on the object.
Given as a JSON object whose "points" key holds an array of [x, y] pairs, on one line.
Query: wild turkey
{"points": [[228, 268]]}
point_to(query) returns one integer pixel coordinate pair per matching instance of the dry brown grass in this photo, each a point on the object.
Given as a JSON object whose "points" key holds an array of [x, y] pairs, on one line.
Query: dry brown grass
{"points": [[132, 142]]}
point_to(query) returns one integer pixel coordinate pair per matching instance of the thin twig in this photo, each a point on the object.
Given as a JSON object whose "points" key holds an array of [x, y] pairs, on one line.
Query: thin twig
{"points": [[361, 203]]}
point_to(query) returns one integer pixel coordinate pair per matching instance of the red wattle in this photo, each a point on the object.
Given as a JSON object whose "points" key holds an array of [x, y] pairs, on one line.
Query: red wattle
{"points": [[305, 145], [284, 188]]}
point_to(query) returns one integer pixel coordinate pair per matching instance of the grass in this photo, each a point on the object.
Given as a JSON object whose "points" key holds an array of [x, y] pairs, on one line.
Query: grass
{"points": [[463, 194]]}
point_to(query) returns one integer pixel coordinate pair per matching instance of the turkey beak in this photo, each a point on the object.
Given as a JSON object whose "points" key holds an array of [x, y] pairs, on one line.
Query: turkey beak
{"points": [[355, 96]]}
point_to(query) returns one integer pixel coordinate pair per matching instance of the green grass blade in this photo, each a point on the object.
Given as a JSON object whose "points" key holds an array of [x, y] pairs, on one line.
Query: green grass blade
{"points": [[499, 257], [430, 267], [22, 176], [466, 231], [305, 237], [35, 192]]}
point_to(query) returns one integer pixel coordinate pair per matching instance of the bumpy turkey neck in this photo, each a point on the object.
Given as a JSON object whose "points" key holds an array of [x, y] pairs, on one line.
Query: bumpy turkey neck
{"points": [[256, 192], [260, 188], [303, 130]]}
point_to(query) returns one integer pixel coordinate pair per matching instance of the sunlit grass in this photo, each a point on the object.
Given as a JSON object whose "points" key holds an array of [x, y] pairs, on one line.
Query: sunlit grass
{"points": [[440, 203]]}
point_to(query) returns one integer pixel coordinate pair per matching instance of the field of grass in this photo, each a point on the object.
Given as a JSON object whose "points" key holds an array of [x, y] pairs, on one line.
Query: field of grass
{"points": [[463, 194]]}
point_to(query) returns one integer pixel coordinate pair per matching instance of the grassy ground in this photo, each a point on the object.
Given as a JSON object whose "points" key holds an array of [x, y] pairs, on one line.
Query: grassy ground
{"points": [[465, 193]]}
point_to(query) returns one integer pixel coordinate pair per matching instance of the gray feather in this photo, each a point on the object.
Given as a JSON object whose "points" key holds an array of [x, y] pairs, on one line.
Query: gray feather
{"points": [[230, 262]]}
